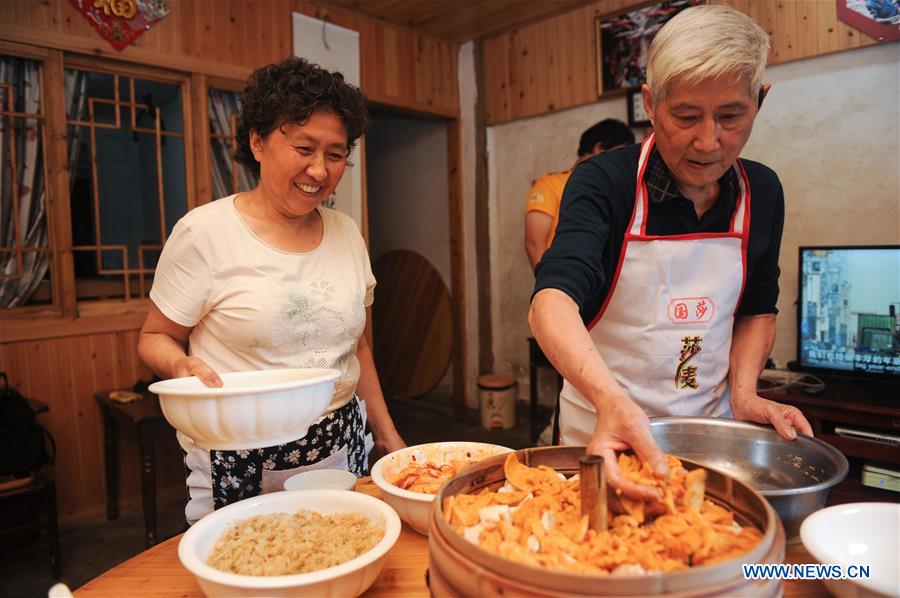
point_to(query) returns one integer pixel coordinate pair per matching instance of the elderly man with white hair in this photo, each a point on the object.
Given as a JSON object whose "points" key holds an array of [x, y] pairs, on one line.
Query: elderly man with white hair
{"points": [[658, 295]]}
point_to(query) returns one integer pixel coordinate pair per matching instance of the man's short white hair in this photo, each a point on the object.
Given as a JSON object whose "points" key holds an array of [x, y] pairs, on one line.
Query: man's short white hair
{"points": [[707, 42]]}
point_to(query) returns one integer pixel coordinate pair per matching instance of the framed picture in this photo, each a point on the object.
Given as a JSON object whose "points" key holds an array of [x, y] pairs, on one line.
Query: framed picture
{"points": [[623, 41], [637, 116], [876, 18]]}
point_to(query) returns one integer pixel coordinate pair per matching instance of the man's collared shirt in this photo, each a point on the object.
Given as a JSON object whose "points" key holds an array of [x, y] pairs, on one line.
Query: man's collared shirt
{"points": [[673, 213]]}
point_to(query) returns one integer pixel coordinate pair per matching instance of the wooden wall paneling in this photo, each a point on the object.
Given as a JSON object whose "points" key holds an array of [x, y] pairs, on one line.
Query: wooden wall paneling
{"points": [[829, 39], [236, 23], [496, 92], [542, 67], [188, 9], [99, 353], [785, 35], [400, 66], [282, 28], [764, 14], [515, 62], [393, 62], [807, 44], [252, 36], [457, 264], [90, 44], [852, 38]]}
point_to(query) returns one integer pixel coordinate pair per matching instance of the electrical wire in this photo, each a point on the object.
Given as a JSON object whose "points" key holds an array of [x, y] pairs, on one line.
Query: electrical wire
{"points": [[783, 381]]}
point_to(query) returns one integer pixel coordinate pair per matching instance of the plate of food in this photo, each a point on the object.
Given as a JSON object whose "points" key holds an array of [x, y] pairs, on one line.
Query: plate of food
{"points": [[410, 478], [309, 542]]}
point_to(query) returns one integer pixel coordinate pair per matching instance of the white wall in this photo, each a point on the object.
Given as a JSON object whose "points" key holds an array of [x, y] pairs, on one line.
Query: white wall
{"points": [[406, 183], [829, 128], [518, 153], [407, 192]]}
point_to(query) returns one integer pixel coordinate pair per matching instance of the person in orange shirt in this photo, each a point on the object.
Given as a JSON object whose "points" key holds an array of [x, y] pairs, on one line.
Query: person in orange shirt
{"points": [[542, 205]]}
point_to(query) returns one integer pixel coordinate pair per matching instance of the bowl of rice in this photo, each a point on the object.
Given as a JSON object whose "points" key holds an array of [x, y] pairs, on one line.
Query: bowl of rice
{"points": [[410, 478], [309, 542]]}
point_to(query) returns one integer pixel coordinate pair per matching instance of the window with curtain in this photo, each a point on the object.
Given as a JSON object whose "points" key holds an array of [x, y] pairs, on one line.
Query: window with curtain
{"points": [[228, 176], [126, 145], [25, 254]]}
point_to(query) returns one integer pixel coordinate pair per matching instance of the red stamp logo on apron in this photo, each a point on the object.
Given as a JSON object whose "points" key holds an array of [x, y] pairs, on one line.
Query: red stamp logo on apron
{"points": [[691, 310]]}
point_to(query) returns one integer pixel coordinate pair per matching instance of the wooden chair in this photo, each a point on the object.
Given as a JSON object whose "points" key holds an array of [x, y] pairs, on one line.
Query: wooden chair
{"points": [[34, 487]]}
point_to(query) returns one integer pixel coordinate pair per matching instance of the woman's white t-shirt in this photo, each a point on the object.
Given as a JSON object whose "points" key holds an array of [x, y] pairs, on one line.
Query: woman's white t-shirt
{"points": [[253, 306]]}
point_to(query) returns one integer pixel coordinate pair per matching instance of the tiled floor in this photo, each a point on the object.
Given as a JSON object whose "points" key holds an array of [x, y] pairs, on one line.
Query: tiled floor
{"points": [[90, 549]]}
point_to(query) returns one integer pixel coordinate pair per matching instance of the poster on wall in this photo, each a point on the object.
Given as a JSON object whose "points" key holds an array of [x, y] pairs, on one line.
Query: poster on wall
{"points": [[879, 19], [623, 41], [337, 49]]}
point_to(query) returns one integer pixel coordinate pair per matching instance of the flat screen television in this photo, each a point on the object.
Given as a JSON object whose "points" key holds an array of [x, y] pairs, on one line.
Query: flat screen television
{"points": [[849, 311]]}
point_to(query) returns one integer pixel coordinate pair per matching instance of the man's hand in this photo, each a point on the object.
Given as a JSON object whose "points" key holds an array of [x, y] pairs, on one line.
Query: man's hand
{"points": [[194, 366], [625, 425], [786, 420]]}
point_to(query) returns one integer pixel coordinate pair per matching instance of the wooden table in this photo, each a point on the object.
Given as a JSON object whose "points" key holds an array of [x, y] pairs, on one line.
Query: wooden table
{"points": [[147, 418], [158, 572]]}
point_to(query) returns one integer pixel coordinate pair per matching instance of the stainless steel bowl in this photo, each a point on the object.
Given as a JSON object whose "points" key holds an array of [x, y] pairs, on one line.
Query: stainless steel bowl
{"points": [[793, 475]]}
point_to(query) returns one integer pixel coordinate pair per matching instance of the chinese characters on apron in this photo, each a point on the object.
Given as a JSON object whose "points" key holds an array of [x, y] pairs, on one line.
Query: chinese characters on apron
{"points": [[665, 327]]}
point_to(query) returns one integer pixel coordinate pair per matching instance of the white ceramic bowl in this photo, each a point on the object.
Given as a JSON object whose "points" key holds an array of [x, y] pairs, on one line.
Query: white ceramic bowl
{"points": [[857, 534], [347, 579], [250, 410], [321, 479], [414, 507]]}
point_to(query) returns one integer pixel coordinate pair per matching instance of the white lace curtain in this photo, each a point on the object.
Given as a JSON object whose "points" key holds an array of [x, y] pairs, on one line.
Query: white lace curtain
{"points": [[22, 138], [21, 157], [222, 105]]}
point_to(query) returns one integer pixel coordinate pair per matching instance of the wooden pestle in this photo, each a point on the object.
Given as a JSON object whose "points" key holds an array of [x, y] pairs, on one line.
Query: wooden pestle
{"points": [[593, 491]]}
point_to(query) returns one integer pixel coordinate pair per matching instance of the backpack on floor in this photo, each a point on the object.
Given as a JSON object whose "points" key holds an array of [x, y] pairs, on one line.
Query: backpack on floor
{"points": [[22, 446]]}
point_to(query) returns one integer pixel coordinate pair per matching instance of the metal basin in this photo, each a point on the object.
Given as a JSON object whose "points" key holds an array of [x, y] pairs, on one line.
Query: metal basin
{"points": [[793, 475]]}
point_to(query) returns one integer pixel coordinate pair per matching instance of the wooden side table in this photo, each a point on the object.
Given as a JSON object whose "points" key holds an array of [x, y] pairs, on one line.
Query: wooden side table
{"points": [[147, 418]]}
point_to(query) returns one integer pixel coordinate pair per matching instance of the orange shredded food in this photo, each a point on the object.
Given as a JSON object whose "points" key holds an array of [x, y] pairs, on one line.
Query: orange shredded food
{"points": [[536, 519], [428, 477]]}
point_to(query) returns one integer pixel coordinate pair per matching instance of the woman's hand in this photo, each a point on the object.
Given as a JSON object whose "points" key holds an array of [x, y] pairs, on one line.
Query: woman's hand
{"points": [[786, 419], [388, 443], [624, 425], [194, 366]]}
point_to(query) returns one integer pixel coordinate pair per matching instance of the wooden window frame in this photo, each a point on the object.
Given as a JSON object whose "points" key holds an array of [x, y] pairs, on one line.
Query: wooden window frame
{"points": [[200, 86], [66, 316]]}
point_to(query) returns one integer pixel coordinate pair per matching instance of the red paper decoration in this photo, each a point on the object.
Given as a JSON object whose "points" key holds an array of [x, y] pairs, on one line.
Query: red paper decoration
{"points": [[120, 22]]}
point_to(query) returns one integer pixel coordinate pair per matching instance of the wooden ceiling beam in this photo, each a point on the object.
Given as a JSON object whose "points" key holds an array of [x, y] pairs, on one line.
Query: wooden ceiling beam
{"points": [[462, 20]]}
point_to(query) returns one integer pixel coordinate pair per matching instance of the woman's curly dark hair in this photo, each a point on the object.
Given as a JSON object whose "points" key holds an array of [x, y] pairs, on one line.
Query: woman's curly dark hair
{"points": [[290, 92]]}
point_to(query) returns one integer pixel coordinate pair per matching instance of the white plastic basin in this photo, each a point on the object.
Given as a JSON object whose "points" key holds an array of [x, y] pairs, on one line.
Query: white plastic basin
{"points": [[415, 507], [251, 410], [857, 534], [347, 579]]}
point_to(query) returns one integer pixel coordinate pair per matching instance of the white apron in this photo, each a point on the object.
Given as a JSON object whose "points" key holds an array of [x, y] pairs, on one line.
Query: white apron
{"points": [[665, 327]]}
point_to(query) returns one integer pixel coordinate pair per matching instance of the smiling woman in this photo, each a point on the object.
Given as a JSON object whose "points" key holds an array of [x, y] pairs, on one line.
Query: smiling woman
{"points": [[270, 279]]}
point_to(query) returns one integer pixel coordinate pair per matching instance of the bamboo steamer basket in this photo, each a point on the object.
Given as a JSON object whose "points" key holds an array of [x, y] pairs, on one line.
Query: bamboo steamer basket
{"points": [[456, 567]]}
